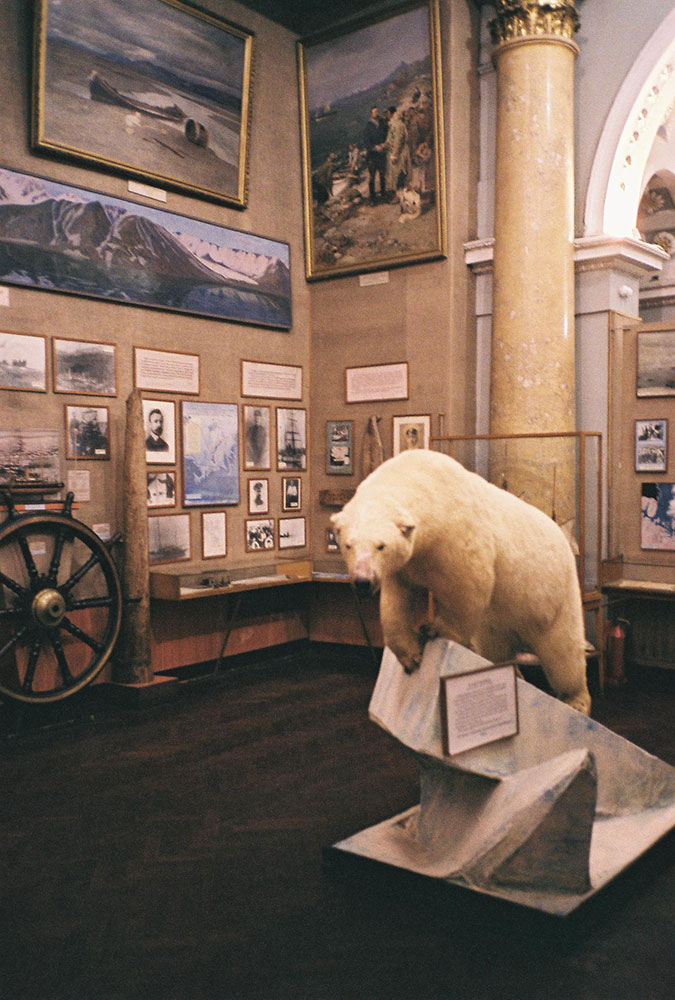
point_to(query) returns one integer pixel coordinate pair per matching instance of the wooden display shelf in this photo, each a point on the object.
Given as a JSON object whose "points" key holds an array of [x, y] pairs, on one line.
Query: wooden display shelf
{"points": [[210, 580]]}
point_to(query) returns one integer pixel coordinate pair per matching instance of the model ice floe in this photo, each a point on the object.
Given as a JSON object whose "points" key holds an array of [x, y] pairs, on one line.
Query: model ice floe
{"points": [[544, 818]]}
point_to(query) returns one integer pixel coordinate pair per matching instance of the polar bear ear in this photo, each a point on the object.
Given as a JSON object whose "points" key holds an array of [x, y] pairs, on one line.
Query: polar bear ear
{"points": [[406, 523], [335, 520]]}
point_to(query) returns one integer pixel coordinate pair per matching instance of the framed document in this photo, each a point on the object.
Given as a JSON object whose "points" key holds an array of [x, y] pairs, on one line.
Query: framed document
{"points": [[264, 380], [166, 371], [214, 534], [376, 383], [479, 707]]}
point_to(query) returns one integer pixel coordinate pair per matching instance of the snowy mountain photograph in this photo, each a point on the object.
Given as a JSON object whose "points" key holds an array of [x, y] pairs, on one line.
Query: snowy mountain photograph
{"points": [[67, 239]]}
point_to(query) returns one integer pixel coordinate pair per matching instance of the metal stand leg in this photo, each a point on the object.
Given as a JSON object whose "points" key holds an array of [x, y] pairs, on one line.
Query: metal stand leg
{"points": [[363, 626], [231, 622]]}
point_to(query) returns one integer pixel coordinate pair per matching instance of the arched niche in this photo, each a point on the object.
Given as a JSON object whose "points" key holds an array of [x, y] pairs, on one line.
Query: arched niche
{"points": [[638, 121]]}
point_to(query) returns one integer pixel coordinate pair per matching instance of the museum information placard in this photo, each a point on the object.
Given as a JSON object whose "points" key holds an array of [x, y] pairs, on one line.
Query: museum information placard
{"points": [[479, 707]]}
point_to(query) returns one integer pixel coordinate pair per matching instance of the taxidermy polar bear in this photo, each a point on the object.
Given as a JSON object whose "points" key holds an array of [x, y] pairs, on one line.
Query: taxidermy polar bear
{"points": [[502, 573]]}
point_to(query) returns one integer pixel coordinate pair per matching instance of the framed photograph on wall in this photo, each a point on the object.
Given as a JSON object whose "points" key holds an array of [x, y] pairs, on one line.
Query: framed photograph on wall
{"points": [[372, 143], [291, 493], [154, 89], [258, 496], [214, 534], [651, 445], [256, 438], [159, 420], [411, 432], [657, 526], [161, 489], [210, 436], [339, 447], [169, 538], [291, 439], [655, 353], [197, 282], [166, 371], [259, 534], [30, 454], [87, 432], [85, 367], [331, 541], [292, 533], [23, 361]]}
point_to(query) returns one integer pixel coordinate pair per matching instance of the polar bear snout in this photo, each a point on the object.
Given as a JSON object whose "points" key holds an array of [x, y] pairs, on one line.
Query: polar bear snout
{"points": [[363, 586]]}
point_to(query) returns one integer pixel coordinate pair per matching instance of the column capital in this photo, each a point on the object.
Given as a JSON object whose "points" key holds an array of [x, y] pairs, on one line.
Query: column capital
{"points": [[525, 19]]}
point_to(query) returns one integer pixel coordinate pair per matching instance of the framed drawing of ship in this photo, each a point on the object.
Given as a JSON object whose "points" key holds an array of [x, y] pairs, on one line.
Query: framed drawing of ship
{"points": [[154, 89], [60, 238]]}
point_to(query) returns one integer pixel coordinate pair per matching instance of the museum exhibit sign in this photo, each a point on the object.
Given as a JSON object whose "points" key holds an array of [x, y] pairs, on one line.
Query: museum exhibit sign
{"points": [[60, 238], [372, 143], [154, 89]]}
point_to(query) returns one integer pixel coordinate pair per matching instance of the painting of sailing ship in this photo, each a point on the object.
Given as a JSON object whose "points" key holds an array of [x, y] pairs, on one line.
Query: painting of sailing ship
{"points": [[155, 89], [56, 237], [168, 538], [29, 457], [291, 439]]}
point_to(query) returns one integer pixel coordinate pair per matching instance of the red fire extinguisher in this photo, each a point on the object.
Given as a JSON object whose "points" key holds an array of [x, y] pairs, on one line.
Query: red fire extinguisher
{"points": [[616, 645]]}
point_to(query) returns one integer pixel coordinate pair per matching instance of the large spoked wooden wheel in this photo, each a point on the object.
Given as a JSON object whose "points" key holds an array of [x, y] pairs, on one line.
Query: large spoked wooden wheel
{"points": [[60, 606]]}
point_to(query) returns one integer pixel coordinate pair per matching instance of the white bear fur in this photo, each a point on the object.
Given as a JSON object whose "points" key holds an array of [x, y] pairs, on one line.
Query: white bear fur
{"points": [[501, 572]]}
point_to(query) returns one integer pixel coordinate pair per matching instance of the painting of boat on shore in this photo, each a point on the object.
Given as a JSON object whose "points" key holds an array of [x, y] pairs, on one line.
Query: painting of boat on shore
{"points": [[656, 363], [372, 141], [155, 89], [66, 239]]}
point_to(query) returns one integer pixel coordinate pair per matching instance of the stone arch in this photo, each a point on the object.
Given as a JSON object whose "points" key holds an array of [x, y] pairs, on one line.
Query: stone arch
{"points": [[643, 104]]}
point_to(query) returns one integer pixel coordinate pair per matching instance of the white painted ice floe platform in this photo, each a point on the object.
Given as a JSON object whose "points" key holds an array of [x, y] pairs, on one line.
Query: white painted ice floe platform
{"points": [[544, 819]]}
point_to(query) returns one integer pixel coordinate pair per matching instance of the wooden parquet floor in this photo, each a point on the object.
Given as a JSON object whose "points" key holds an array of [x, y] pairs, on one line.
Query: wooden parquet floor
{"points": [[175, 852]]}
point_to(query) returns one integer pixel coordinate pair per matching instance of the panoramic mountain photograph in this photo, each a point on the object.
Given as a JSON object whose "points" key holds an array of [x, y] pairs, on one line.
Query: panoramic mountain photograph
{"points": [[67, 239]]}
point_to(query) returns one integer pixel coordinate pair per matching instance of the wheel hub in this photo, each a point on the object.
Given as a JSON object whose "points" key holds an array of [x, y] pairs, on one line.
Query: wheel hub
{"points": [[48, 607]]}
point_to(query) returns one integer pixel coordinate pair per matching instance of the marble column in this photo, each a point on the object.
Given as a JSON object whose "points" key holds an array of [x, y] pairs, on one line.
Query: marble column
{"points": [[532, 386]]}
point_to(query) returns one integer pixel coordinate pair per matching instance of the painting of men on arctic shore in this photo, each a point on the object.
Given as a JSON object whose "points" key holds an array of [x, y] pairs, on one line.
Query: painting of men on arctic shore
{"points": [[154, 88], [372, 131]]}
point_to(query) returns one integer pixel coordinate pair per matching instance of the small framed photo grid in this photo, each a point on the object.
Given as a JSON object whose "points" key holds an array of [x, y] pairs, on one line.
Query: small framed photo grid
{"points": [[292, 533], [291, 493], [161, 489], [259, 534], [159, 420], [291, 439], [256, 438], [411, 432], [651, 445], [87, 432], [339, 447], [258, 496]]}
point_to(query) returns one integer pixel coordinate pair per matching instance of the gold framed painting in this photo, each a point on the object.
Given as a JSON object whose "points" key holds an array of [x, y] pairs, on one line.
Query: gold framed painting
{"points": [[159, 90], [372, 143]]}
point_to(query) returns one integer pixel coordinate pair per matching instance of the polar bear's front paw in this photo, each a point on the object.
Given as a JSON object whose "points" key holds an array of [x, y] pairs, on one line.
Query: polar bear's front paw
{"points": [[410, 663], [428, 631]]}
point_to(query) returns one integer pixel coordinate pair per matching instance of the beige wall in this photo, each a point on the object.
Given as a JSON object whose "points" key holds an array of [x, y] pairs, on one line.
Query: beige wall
{"points": [[424, 314], [273, 211]]}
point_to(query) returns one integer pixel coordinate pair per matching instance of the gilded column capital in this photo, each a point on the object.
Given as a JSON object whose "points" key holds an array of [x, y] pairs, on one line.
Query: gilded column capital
{"points": [[530, 18]]}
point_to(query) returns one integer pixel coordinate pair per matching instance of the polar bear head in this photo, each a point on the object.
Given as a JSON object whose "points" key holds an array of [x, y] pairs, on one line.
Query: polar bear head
{"points": [[376, 541]]}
